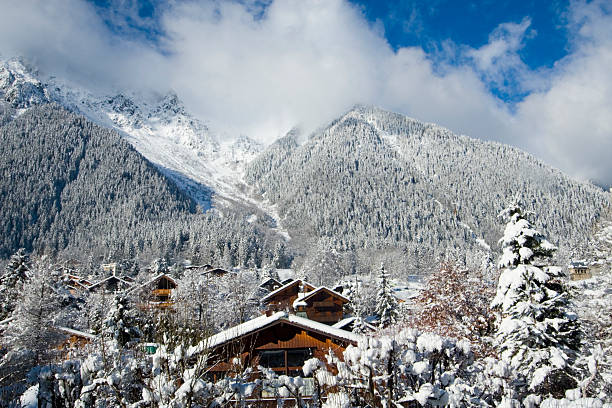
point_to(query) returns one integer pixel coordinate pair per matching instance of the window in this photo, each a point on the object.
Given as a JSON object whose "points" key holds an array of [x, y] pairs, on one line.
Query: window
{"points": [[297, 357], [272, 359]]}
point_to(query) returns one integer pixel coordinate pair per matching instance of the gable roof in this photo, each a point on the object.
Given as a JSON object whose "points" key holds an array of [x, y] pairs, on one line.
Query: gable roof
{"points": [[288, 285], [109, 278], [264, 321], [324, 289], [270, 279], [150, 281]]}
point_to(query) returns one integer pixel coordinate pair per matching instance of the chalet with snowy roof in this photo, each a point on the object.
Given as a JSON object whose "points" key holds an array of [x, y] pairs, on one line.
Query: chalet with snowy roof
{"points": [[279, 341], [156, 292], [579, 270], [270, 284], [75, 283], [322, 305], [217, 272], [111, 284], [319, 304], [203, 268], [74, 341], [283, 297]]}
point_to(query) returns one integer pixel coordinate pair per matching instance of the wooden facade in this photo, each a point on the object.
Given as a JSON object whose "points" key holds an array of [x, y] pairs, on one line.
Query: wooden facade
{"points": [[283, 298], [283, 345], [324, 305], [157, 292], [318, 304]]}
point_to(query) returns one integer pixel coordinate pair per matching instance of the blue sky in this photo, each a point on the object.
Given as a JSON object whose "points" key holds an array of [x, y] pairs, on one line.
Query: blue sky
{"points": [[533, 74], [428, 23]]}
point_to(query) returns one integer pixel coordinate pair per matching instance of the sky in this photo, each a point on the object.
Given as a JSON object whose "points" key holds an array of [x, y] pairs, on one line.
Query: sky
{"points": [[534, 74]]}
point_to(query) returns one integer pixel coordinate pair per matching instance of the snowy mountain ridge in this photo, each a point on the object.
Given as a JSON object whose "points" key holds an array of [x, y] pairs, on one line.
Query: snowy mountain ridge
{"points": [[370, 178], [200, 160]]}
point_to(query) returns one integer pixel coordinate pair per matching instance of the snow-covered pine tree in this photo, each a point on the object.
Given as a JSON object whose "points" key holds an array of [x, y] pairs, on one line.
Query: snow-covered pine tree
{"points": [[33, 324], [120, 324], [359, 324], [537, 334], [12, 281], [386, 303]]}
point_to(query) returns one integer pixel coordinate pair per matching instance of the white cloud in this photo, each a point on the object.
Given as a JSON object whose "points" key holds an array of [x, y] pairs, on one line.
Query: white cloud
{"points": [[306, 61], [570, 124]]}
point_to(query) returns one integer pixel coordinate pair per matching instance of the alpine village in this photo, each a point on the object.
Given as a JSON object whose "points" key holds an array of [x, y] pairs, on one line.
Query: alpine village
{"points": [[209, 204]]}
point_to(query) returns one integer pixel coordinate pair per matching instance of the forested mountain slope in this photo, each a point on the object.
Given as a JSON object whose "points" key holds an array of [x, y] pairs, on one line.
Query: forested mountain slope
{"points": [[73, 188], [376, 179], [63, 175]]}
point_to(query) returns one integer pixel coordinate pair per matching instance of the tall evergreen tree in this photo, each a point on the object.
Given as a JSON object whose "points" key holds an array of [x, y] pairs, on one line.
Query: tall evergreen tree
{"points": [[12, 281], [537, 334], [120, 324], [34, 318], [386, 303]]}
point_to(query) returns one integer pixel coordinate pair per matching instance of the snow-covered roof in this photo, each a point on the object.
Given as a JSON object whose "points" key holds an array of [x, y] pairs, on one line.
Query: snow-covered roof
{"points": [[275, 292], [324, 288], [269, 279], [109, 278], [578, 264], [347, 321], [150, 281], [265, 321], [344, 322], [77, 333]]}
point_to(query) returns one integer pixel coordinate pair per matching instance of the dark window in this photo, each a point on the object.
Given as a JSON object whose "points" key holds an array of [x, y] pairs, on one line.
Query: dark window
{"points": [[272, 359], [296, 358]]}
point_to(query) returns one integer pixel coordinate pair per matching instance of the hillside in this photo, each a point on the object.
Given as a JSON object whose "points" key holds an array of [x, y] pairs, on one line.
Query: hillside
{"points": [[65, 176], [371, 179], [377, 179], [75, 189]]}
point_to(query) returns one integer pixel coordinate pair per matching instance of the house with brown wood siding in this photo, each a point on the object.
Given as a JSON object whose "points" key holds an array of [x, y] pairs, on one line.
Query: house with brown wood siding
{"points": [[280, 341]]}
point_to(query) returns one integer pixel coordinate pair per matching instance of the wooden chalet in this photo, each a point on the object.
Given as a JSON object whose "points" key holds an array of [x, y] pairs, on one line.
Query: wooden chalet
{"points": [[203, 268], [319, 304], [156, 292], [217, 272], [270, 284], [75, 283], [75, 340], [322, 305], [579, 270], [279, 341], [111, 284], [283, 297]]}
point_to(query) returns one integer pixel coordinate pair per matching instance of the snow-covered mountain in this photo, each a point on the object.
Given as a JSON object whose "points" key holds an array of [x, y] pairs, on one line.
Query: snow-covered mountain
{"points": [[370, 179], [375, 179], [205, 163]]}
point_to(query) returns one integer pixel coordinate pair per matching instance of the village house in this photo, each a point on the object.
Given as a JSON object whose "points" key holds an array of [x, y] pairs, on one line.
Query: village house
{"points": [[74, 342], [75, 283], [111, 284], [279, 341], [156, 292], [579, 270], [300, 297]]}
